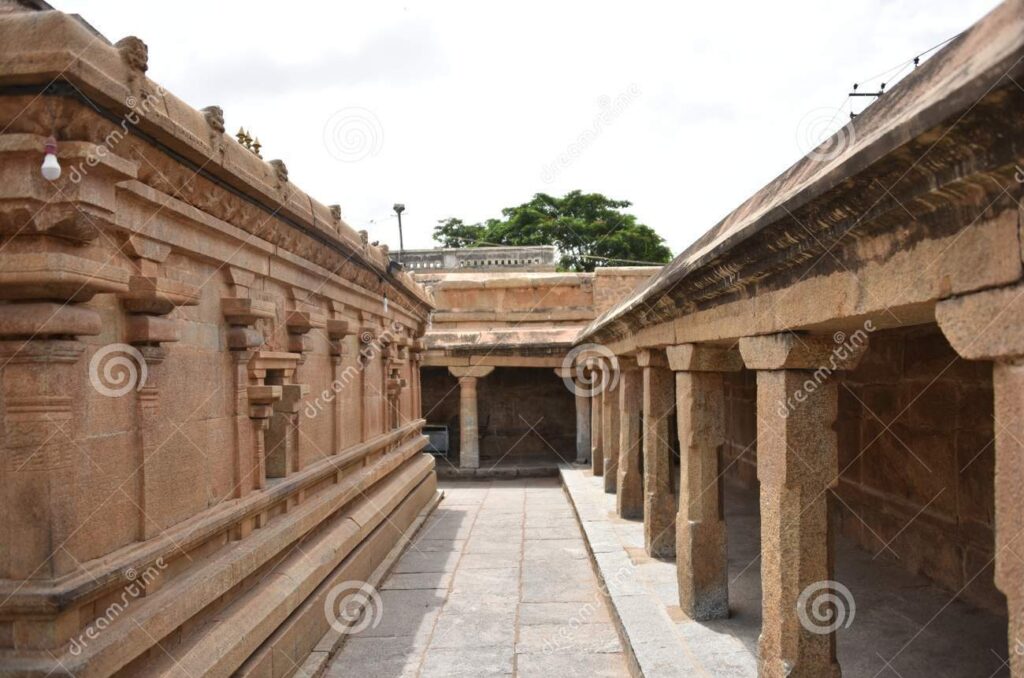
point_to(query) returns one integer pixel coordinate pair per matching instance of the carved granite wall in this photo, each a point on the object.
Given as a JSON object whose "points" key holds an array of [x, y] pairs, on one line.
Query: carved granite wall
{"points": [[208, 381]]}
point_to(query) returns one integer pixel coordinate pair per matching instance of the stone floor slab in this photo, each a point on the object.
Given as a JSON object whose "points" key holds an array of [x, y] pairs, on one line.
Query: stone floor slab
{"points": [[471, 597]]}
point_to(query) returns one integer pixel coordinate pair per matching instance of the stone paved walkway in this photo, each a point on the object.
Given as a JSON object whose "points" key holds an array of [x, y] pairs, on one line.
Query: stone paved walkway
{"points": [[497, 583]]}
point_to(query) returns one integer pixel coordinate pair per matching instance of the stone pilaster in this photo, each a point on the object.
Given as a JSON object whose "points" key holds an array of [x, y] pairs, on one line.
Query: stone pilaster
{"points": [[416, 349], [629, 499], [988, 326], [659, 500], [797, 464], [469, 435]]}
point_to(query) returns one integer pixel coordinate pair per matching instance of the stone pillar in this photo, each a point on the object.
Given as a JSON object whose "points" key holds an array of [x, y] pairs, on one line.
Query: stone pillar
{"points": [[797, 463], [629, 500], [583, 417], [701, 563], [659, 501], [469, 435], [580, 388], [987, 326], [596, 455], [610, 423]]}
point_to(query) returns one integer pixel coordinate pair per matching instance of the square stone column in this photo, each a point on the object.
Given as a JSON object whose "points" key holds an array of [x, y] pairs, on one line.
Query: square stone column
{"points": [[610, 422], [583, 417], [988, 326], [577, 380], [596, 454], [629, 500], [469, 435], [797, 463], [659, 501], [701, 562]]}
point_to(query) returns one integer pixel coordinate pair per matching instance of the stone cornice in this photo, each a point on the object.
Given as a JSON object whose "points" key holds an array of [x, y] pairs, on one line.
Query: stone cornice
{"points": [[108, 78]]}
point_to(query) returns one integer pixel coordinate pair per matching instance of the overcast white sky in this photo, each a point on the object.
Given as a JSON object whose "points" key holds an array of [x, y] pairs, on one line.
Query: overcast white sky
{"points": [[462, 108]]}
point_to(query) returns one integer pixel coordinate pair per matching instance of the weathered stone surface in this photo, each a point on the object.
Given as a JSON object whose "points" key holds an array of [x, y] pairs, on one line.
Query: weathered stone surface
{"points": [[630, 491], [700, 525], [659, 498]]}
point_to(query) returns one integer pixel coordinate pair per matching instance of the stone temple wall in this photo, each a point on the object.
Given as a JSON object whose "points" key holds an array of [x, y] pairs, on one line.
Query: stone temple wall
{"points": [[915, 439], [209, 409]]}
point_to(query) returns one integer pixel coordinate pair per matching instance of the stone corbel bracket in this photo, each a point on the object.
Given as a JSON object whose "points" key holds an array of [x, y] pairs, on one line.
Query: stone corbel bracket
{"points": [[262, 399], [260, 367], [337, 330], [299, 324], [242, 314]]}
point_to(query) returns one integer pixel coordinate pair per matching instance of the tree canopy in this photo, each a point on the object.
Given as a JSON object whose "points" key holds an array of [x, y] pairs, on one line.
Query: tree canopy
{"points": [[589, 230]]}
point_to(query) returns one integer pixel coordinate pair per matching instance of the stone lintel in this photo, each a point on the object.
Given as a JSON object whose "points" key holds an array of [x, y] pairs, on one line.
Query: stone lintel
{"points": [[699, 358], [986, 325], [801, 352], [477, 371]]}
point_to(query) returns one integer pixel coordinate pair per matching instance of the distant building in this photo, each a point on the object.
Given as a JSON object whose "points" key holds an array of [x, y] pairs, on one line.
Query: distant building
{"points": [[536, 258]]}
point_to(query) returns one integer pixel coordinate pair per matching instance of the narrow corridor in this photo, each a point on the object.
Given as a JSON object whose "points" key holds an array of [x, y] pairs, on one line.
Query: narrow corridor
{"points": [[496, 583]]}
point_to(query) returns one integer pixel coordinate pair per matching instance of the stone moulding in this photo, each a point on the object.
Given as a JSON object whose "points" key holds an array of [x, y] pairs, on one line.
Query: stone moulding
{"points": [[100, 577], [181, 599]]}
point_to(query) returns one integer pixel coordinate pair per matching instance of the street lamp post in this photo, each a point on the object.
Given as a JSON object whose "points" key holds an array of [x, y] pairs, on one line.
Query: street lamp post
{"points": [[399, 208]]}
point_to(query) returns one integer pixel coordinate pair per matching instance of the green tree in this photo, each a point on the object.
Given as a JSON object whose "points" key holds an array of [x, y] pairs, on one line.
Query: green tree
{"points": [[589, 230]]}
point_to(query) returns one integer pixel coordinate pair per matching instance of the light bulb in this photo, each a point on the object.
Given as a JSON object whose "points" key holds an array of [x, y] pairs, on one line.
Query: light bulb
{"points": [[50, 168], [385, 303]]}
